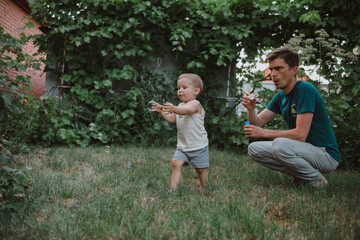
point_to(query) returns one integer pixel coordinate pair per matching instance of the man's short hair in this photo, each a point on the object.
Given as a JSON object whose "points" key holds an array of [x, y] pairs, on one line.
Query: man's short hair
{"points": [[196, 80], [289, 56]]}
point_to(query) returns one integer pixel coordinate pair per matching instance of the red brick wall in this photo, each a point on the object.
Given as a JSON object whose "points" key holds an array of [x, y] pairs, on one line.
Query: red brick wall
{"points": [[11, 19]]}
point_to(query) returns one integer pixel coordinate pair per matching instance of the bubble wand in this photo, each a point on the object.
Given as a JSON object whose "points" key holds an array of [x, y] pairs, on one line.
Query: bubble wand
{"points": [[267, 77]]}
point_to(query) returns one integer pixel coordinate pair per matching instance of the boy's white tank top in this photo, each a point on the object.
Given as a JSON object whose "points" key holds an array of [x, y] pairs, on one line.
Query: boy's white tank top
{"points": [[191, 133]]}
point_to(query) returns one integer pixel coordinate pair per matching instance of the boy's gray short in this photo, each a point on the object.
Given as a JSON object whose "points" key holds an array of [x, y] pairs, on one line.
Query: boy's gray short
{"points": [[198, 158]]}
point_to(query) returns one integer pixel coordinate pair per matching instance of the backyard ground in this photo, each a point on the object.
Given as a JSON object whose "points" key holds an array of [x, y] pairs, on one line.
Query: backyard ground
{"points": [[91, 193]]}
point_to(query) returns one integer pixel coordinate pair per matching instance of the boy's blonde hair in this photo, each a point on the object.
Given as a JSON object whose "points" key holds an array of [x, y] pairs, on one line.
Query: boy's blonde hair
{"points": [[196, 80]]}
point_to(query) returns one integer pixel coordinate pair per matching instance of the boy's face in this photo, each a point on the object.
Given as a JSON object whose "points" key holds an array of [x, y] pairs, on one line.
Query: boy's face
{"points": [[186, 90]]}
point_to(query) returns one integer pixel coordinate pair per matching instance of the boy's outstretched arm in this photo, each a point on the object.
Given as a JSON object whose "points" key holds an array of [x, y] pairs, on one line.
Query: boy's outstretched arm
{"points": [[170, 117], [190, 108]]}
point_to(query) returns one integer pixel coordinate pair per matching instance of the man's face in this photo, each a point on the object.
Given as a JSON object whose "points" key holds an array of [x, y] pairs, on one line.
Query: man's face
{"points": [[281, 74]]}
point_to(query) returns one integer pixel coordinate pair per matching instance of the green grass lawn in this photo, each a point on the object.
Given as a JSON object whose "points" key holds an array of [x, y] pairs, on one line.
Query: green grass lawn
{"points": [[86, 193]]}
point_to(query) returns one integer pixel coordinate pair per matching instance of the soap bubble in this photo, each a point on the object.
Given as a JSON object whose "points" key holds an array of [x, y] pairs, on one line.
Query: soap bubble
{"points": [[92, 126], [107, 149], [151, 105], [100, 136]]}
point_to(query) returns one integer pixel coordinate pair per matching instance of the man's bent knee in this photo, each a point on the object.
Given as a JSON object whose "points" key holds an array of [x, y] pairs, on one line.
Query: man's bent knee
{"points": [[280, 148], [251, 150]]}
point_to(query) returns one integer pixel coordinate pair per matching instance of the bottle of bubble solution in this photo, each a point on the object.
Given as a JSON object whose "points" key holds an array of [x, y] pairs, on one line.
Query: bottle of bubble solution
{"points": [[128, 164], [247, 123]]}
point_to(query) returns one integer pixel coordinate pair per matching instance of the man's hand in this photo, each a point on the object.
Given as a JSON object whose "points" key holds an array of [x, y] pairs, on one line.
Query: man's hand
{"points": [[252, 131], [248, 103], [300, 133]]}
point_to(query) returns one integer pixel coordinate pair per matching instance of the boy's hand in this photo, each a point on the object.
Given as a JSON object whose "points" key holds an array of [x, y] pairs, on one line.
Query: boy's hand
{"points": [[159, 108], [155, 107], [167, 112], [169, 107]]}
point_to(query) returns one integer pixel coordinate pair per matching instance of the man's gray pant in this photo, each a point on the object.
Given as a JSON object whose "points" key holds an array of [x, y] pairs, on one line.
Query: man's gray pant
{"points": [[299, 159]]}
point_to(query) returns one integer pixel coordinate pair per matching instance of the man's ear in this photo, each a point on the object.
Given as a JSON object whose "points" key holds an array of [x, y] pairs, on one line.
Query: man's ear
{"points": [[294, 69]]}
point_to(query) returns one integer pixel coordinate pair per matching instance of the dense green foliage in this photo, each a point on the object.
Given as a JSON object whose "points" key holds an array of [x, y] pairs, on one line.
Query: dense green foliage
{"points": [[113, 46], [13, 84], [115, 56], [13, 185], [13, 107]]}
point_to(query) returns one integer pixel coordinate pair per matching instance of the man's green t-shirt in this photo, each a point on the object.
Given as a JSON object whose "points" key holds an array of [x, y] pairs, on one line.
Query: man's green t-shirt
{"points": [[304, 97]]}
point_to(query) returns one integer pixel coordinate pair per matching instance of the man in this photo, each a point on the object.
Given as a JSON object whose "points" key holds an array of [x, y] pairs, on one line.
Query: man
{"points": [[308, 149]]}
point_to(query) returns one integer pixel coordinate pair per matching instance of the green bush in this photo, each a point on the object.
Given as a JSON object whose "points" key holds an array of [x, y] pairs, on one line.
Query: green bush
{"points": [[14, 104], [13, 97], [124, 119], [13, 185]]}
